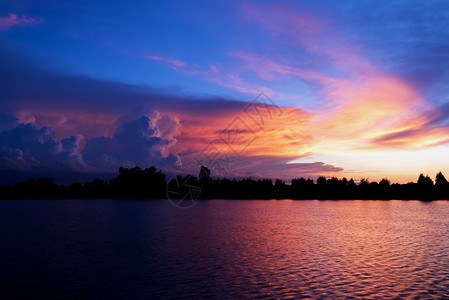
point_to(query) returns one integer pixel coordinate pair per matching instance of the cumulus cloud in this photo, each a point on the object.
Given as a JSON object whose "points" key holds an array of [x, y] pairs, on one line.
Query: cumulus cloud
{"points": [[168, 126], [134, 143], [30, 147], [107, 119], [73, 104], [145, 141]]}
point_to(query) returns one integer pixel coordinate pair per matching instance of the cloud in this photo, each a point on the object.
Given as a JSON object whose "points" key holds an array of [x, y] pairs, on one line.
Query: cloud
{"points": [[99, 112], [29, 147], [363, 102], [169, 127], [134, 143], [104, 115], [356, 110], [175, 63], [14, 20], [406, 39], [70, 104], [256, 129], [228, 79], [93, 108], [35, 151], [417, 138], [269, 166], [231, 80]]}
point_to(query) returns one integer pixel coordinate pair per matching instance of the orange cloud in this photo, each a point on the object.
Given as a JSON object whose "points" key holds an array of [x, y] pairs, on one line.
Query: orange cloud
{"points": [[362, 103], [256, 129], [357, 111]]}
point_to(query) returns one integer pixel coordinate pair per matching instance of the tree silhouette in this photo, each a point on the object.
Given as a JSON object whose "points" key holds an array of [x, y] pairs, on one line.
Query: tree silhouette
{"points": [[440, 180], [424, 187], [150, 183], [441, 186], [205, 181]]}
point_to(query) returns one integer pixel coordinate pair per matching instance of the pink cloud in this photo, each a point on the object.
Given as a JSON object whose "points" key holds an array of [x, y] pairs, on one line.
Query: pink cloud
{"points": [[304, 30], [175, 63], [362, 104], [13, 20], [232, 81], [214, 74], [358, 112]]}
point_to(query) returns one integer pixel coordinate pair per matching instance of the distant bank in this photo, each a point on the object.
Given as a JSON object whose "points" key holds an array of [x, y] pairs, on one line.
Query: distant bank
{"points": [[150, 183]]}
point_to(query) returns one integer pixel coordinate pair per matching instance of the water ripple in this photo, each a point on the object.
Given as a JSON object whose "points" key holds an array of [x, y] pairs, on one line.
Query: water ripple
{"points": [[225, 249]]}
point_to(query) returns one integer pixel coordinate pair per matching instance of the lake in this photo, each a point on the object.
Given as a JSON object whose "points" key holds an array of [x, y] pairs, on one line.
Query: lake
{"points": [[224, 249]]}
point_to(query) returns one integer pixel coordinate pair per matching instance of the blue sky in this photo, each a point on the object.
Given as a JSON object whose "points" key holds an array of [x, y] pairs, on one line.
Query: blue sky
{"points": [[109, 40]]}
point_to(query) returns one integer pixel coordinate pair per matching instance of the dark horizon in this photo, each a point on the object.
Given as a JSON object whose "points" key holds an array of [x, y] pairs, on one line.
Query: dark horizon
{"points": [[150, 183]]}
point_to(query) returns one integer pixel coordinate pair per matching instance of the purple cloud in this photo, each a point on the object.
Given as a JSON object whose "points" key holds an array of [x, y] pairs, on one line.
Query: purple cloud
{"points": [[15, 20], [134, 143], [30, 147]]}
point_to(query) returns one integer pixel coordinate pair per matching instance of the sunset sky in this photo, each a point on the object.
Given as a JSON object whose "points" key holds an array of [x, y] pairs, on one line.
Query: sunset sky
{"points": [[340, 88]]}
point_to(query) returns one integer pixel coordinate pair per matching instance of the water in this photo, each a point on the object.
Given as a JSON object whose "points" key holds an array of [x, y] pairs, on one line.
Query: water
{"points": [[224, 249]]}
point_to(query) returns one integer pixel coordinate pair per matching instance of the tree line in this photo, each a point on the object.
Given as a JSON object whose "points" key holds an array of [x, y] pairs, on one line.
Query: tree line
{"points": [[150, 183]]}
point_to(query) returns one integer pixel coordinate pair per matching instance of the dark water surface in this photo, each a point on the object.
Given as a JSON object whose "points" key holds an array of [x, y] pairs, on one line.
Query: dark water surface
{"points": [[224, 249]]}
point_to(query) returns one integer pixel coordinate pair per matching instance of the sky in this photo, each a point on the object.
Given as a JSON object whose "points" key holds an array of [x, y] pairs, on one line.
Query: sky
{"points": [[277, 89]]}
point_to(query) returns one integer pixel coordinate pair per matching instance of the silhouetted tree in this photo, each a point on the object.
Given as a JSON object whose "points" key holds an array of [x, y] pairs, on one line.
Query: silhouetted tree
{"points": [[441, 186], [364, 188], [280, 189], [204, 174], [302, 188], [137, 183], [149, 183], [321, 180], [205, 181], [424, 187], [384, 189], [440, 180], [425, 180]]}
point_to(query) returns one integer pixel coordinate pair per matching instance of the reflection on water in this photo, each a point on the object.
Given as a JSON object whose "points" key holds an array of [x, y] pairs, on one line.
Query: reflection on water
{"points": [[231, 249]]}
